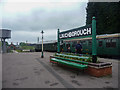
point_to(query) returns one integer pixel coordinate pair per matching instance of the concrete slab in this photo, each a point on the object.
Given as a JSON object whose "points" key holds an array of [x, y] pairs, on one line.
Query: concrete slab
{"points": [[28, 70]]}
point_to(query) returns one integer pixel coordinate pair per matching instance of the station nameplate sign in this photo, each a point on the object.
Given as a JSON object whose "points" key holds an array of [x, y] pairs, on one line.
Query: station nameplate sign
{"points": [[77, 32]]}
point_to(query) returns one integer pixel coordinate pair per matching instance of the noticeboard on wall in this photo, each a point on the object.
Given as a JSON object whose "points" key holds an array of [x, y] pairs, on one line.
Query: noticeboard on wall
{"points": [[5, 33]]}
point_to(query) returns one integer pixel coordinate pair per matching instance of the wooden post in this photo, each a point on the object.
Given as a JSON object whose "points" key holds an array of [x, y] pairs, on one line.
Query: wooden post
{"points": [[58, 42]]}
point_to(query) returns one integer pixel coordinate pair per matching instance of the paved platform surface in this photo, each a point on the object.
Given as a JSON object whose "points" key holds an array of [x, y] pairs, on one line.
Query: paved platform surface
{"points": [[28, 70]]}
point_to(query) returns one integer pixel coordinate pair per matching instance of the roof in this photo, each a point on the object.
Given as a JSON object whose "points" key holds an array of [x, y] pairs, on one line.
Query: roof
{"points": [[46, 42], [98, 37]]}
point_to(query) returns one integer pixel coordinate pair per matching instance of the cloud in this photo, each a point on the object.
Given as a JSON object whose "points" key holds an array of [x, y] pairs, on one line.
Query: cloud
{"points": [[32, 37], [27, 23]]}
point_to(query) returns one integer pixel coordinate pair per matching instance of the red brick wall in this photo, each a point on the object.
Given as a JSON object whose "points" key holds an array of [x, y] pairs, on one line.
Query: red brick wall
{"points": [[98, 72]]}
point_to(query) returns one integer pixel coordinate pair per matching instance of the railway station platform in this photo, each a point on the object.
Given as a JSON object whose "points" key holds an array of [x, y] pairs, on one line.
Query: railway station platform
{"points": [[29, 70]]}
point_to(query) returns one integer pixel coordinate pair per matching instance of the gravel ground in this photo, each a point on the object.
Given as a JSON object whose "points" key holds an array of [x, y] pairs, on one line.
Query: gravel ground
{"points": [[28, 70]]}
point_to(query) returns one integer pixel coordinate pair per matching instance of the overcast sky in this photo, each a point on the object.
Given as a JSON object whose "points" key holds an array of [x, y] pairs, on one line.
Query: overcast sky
{"points": [[27, 18]]}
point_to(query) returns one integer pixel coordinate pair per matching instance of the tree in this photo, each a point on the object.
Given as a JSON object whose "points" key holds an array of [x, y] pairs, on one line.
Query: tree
{"points": [[23, 44], [107, 16]]}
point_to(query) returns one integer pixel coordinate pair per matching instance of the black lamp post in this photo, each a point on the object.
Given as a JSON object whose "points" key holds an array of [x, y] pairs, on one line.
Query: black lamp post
{"points": [[42, 56]]}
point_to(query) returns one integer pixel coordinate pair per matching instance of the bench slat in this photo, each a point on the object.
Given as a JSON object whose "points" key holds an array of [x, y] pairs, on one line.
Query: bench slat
{"points": [[72, 60], [80, 66], [72, 56]]}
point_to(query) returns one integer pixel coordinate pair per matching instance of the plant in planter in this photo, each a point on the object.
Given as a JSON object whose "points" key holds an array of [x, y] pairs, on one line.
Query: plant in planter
{"points": [[97, 69], [66, 55]]}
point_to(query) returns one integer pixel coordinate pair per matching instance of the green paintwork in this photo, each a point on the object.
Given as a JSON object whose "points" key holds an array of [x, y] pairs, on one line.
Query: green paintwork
{"points": [[77, 37], [80, 36], [77, 61], [71, 56], [0, 44], [87, 48], [103, 50], [58, 42], [94, 51], [110, 50], [42, 55], [80, 66]]}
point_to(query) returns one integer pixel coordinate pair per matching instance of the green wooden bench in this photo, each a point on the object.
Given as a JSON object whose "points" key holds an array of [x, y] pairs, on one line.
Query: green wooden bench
{"points": [[71, 64], [71, 56], [71, 60]]}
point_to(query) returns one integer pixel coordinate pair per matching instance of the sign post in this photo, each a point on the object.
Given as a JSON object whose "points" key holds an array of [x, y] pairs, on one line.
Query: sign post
{"points": [[94, 51], [81, 32], [58, 42], [42, 56], [4, 34]]}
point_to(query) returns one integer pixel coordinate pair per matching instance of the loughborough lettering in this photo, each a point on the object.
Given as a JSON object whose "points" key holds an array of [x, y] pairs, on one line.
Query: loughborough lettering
{"points": [[77, 33]]}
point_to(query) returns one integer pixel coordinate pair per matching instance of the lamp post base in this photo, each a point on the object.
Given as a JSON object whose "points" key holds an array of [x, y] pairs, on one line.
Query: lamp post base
{"points": [[42, 55], [94, 58]]}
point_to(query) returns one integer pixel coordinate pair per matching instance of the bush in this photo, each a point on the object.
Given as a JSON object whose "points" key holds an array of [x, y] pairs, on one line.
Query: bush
{"points": [[75, 58]]}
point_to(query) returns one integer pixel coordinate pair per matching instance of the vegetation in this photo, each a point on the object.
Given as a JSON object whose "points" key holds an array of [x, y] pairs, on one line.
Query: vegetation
{"points": [[75, 54], [75, 58], [19, 50], [26, 46], [0, 44], [107, 16]]}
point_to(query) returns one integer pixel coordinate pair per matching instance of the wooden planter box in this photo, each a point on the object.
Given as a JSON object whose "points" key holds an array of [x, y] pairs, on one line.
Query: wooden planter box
{"points": [[98, 69]]}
